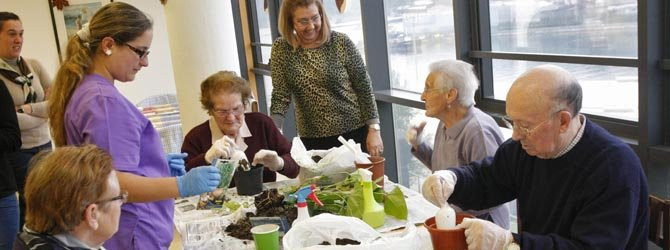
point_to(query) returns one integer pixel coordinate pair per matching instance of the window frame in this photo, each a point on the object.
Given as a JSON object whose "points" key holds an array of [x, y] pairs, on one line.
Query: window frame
{"points": [[649, 136]]}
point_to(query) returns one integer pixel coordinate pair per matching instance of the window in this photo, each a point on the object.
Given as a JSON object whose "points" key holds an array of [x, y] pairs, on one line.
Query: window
{"points": [[418, 33], [411, 171], [348, 22], [608, 91], [570, 30]]}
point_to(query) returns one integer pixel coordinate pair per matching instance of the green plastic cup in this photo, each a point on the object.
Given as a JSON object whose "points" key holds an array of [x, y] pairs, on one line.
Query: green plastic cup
{"points": [[266, 236]]}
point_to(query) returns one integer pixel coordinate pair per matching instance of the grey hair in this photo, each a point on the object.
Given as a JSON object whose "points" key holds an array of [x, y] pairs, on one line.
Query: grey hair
{"points": [[569, 95], [459, 75]]}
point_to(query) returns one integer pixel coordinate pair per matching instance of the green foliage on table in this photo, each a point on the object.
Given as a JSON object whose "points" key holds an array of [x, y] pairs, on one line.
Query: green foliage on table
{"points": [[395, 205], [346, 197]]}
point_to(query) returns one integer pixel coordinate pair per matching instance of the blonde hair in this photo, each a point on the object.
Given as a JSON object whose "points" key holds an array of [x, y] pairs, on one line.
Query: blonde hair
{"points": [[61, 184], [286, 28], [223, 82], [118, 20]]}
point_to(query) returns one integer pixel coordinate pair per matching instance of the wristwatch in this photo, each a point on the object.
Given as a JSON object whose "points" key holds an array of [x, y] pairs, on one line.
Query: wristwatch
{"points": [[374, 126], [20, 110]]}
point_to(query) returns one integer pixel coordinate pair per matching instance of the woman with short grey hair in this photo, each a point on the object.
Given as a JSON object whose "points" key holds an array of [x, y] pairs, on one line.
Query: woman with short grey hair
{"points": [[464, 134]]}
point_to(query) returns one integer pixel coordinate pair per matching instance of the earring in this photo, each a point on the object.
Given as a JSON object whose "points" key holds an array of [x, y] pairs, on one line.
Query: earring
{"points": [[108, 52]]}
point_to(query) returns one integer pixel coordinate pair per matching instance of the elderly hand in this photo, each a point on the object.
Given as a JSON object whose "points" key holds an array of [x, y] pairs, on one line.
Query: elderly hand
{"points": [[438, 187], [222, 148], [374, 143], [270, 159], [176, 163], [413, 134], [482, 234]]}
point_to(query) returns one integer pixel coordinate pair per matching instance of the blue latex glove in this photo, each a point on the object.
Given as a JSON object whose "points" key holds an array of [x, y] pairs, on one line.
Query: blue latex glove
{"points": [[176, 163], [198, 180]]}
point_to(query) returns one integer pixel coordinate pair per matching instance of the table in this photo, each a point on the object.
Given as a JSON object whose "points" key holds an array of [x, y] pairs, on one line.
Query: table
{"points": [[204, 229]]}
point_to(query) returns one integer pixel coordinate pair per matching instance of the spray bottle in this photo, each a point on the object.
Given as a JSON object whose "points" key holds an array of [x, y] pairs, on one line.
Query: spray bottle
{"points": [[301, 195], [373, 213]]}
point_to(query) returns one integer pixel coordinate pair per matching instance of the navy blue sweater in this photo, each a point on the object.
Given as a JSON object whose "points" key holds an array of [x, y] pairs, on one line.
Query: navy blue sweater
{"points": [[593, 197], [10, 141]]}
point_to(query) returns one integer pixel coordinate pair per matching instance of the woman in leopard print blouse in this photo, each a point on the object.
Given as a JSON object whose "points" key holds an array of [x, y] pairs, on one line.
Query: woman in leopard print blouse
{"points": [[322, 71]]}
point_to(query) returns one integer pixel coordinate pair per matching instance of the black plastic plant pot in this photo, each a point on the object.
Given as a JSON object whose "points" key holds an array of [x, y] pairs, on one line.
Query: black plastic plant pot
{"points": [[249, 182]]}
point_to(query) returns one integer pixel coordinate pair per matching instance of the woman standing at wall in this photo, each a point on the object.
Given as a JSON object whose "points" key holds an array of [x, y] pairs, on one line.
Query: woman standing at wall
{"points": [[28, 83]]}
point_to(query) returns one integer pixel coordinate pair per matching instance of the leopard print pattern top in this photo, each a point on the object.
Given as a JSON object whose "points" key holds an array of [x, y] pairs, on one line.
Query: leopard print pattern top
{"points": [[329, 84]]}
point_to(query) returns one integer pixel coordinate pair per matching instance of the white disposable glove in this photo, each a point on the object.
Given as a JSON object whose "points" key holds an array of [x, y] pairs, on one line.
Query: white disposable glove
{"points": [[222, 148], [269, 159], [438, 187], [482, 234], [413, 134]]}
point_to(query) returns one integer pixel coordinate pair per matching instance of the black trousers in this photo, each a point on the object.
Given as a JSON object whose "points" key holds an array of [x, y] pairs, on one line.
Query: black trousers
{"points": [[359, 135]]}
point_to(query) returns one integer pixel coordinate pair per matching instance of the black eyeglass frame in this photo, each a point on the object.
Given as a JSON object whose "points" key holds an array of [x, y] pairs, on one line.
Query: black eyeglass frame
{"points": [[123, 196], [139, 52]]}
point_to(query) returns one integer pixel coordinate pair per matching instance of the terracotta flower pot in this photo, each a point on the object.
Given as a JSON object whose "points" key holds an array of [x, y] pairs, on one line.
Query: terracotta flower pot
{"points": [[447, 239], [376, 167]]}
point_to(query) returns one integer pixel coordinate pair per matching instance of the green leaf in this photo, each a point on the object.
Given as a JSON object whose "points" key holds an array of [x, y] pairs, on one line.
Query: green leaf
{"points": [[355, 204], [395, 204]]}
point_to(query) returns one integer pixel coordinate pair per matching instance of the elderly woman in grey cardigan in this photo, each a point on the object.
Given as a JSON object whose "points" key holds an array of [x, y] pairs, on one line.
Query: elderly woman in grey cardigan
{"points": [[27, 83], [464, 134]]}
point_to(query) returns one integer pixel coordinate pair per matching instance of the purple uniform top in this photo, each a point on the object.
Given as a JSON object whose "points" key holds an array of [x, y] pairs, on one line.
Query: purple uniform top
{"points": [[98, 114]]}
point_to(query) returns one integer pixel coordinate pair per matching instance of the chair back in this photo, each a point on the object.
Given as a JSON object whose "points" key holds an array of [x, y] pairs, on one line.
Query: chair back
{"points": [[659, 222]]}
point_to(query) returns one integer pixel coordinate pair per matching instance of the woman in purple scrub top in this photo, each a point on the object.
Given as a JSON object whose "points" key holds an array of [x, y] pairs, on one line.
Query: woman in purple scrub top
{"points": [[86, 108]]}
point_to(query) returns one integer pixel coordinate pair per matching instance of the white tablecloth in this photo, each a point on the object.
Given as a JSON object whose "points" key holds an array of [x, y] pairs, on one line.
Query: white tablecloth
{"points": [[204, 229]]}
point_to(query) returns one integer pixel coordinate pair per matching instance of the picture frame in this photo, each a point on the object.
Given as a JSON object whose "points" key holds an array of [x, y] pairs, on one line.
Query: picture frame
{"points": [[68, 20]]}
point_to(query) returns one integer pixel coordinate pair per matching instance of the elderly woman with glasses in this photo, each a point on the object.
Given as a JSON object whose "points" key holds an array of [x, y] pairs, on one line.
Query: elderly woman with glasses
{"points": [[464, 134], [225, 95], [73, 200]]}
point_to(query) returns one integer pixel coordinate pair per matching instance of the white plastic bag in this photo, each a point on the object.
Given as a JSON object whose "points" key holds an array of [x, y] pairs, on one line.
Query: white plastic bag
{"points": [[308, 234], [335, 163]]}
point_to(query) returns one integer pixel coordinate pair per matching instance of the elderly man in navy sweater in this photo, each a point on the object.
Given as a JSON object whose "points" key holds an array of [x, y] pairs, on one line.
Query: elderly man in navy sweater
{"points": [[577, 186]]}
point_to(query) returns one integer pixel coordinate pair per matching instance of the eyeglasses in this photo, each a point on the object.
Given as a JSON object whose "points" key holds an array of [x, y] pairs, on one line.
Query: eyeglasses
{"points": [[139, 52], [526, 131], [425, 90], [225, 112], [304, 22], [123, 197]]}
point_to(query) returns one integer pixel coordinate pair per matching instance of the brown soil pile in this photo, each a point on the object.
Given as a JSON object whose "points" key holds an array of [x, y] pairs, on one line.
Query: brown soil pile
{"points": [[268, 204]]}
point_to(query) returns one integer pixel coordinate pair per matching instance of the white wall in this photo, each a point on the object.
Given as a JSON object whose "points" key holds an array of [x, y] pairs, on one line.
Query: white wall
{"points": [[158, 77], [39, 39], [40, 44], [202, 41]]}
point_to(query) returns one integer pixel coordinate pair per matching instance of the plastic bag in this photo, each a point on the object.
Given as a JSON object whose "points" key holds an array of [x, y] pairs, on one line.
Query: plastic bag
{"points": [[335, 163], [308, 234]]}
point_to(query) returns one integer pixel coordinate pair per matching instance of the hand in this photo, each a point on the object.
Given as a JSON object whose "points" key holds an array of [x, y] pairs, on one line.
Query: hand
{"points": [[198, 180], [270, 159], [176, 163], [482, 234], [413, 134], [374, 143], [222, 148], [438, 187]]}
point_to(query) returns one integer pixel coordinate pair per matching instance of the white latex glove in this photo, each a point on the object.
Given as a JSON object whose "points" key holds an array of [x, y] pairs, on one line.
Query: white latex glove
{"points": [[482, 234], [438, 187], [222, 148], [269, 159], [413, 134]]}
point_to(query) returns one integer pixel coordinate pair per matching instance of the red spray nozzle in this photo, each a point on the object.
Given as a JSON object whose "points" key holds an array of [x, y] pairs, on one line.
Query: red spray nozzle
{"points": [[312, 196]]}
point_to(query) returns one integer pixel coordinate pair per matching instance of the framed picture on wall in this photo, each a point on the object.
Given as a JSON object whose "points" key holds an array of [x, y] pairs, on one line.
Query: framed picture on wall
{"points": [[68, 20]]}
